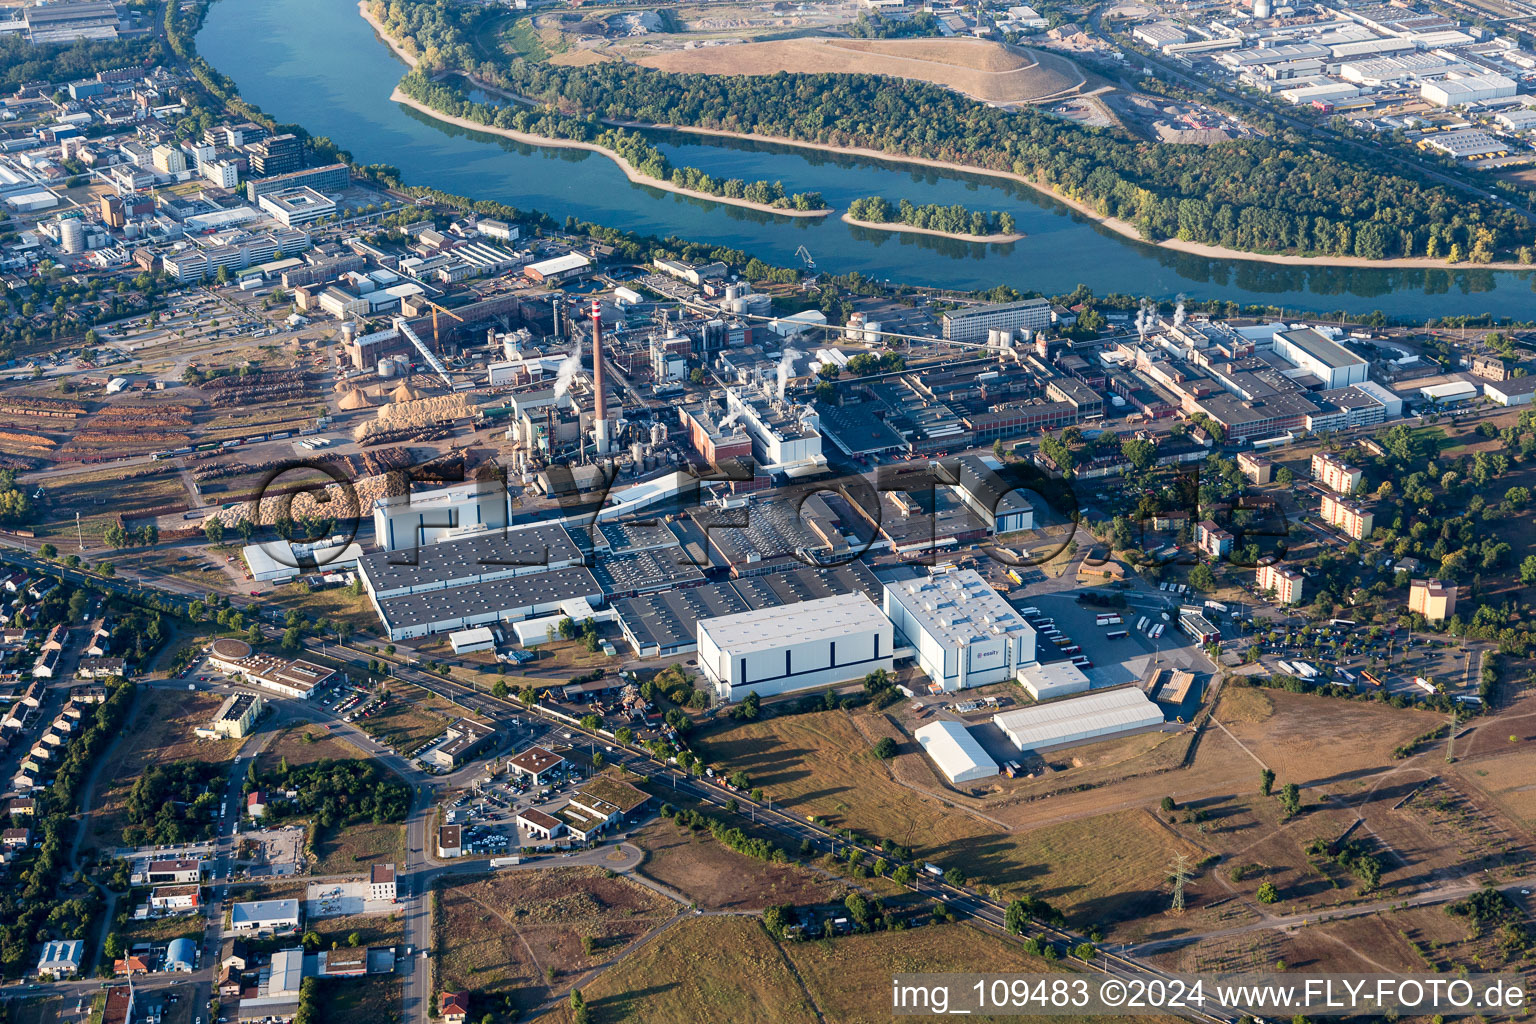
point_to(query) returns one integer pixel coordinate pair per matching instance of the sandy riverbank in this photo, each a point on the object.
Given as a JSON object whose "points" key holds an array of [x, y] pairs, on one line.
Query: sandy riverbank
{"points": [[629, 171], [899, 227], [400, 51]]}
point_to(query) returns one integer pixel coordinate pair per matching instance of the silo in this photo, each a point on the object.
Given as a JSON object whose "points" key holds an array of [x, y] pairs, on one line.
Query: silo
{"points": [[72, 235], [872, 332], [855, 329]]}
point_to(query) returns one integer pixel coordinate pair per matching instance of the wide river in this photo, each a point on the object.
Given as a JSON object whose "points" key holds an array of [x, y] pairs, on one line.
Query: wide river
{"points": [[319, 64]]}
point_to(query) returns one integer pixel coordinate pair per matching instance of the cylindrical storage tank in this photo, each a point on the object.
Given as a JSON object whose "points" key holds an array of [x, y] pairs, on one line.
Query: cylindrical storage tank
{"points": [[72, 235], [872, 332], [637, 452], [386, 367], [403, 366], [855, 329], [737, 305]]}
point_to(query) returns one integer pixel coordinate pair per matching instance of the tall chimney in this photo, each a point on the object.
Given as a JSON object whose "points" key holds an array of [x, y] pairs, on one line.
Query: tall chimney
{"points": [[597, 359], [600, 408]]}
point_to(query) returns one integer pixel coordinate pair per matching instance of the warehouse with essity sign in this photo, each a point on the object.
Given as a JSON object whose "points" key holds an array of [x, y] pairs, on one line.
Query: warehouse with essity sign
{"points": [[965, 633]]}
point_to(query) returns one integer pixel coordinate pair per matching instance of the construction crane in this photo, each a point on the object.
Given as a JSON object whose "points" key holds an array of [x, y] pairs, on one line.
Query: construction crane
{"points": [[805, 257], [437, 341]]}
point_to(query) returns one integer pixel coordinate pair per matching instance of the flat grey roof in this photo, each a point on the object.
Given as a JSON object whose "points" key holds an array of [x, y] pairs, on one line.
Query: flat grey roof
{"points": [[495, 553], [1314, 344], [1513, 385], [670, 618], [639, 571], [857, 429], [1000, 307], [759, 531], [637, 535], [493, 596], [808, 584]]}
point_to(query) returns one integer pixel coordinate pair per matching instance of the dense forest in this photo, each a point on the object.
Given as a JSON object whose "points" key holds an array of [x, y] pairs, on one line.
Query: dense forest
{"points": [[954, 220], [635, 149], [334, 792], [173, 803], [1280, 194], [21, 61]]}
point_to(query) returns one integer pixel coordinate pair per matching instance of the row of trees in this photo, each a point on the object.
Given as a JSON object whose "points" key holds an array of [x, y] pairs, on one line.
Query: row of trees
{"points": [[952, 220]]}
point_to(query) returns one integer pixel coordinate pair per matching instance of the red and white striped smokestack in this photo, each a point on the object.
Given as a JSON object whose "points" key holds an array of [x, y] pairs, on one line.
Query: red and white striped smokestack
{"points": [[597, 360]]}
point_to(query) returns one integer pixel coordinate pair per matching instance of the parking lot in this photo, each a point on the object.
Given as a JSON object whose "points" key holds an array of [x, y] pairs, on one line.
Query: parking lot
{"points": [[1124, 660], [1345, 655], [343, 899], [488, 811]]}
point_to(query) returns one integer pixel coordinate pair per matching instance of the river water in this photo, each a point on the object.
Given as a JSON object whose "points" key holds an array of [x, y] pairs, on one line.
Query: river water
{"points": [[319, 64]]}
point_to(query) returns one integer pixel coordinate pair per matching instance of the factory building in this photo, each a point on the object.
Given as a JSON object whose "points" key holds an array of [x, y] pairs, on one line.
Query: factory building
{"points": [[795, 647], [713, 442], [974, 323], [406, 521], [1460, 90], [955, 752], [1515, 391], [1329, 361], [987, 493], [1079, 719], [964, 632], [782, 433]]}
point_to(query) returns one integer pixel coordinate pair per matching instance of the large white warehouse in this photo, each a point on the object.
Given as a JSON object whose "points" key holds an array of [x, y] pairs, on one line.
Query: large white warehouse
{"points": [[794, 647], [407, 521], [955, 751], [964, 632], [1095, 716]]}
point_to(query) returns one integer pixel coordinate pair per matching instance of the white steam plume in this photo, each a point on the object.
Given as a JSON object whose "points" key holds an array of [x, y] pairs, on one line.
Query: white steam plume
{"points": [[569, 367], [786, 367]]}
